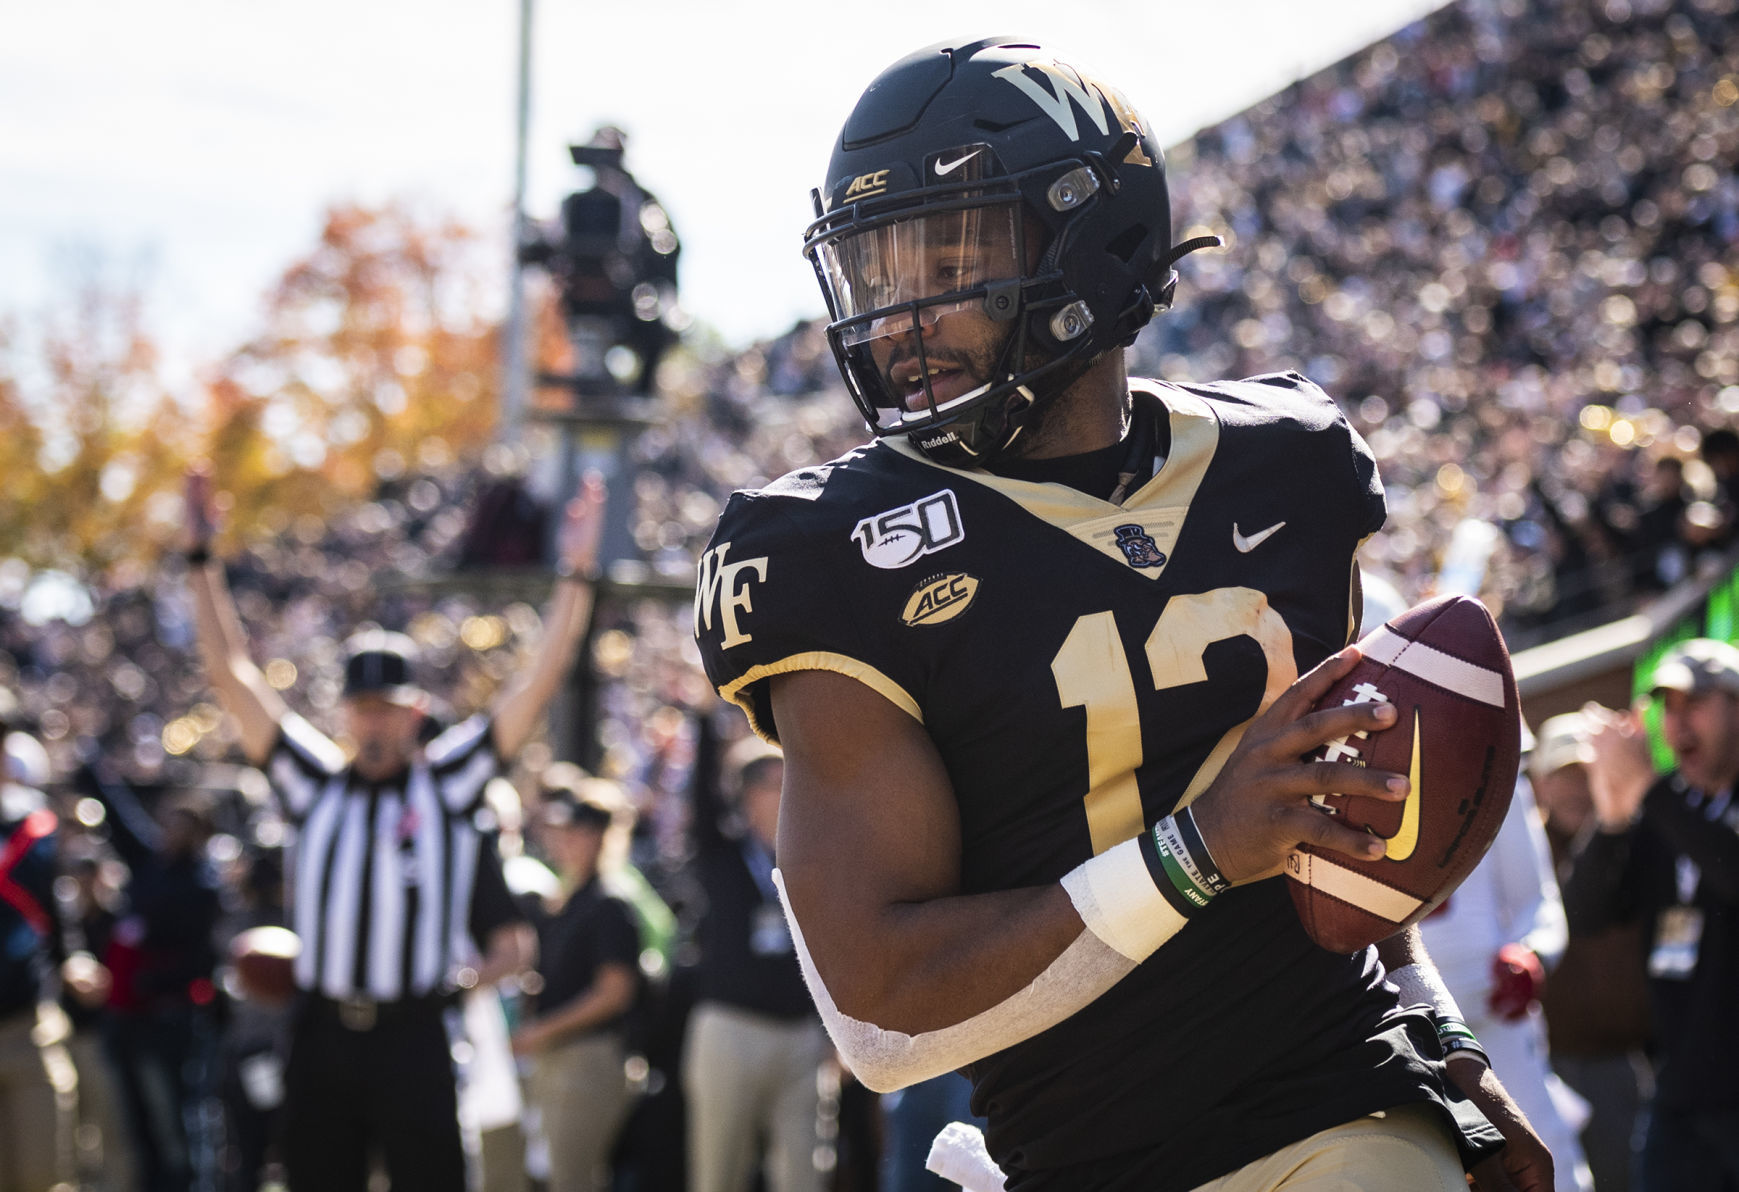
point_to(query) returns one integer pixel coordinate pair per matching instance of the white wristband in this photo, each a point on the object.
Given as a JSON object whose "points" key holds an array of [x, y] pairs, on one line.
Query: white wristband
{"points": [[1422, 984], [1115, 896]]}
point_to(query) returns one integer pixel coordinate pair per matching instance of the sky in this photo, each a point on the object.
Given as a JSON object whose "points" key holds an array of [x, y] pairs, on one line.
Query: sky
{"points": [[190, 147]]}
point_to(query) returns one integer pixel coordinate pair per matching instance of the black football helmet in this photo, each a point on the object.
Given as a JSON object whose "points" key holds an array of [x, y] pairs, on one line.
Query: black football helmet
{"points": [[994, 220]]}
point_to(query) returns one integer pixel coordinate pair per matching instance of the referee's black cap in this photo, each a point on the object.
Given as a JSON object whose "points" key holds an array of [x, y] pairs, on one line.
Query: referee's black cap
{"points": [[570, 797], [381, 664], [564, 809]]}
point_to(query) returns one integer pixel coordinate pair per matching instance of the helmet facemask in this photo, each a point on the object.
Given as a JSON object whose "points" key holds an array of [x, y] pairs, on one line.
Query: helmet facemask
{"points": [[931, 311], [923, 310]]}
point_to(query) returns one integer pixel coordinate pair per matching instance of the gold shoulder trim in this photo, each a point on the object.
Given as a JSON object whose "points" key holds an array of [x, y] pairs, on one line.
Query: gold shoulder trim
{"points": [[842, 664]]}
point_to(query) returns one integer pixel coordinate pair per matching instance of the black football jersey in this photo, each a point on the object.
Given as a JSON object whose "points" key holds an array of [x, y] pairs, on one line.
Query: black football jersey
{"points": [[1084, 668]]}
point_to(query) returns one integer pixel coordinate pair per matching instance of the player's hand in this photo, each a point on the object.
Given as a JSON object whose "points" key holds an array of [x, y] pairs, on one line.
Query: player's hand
{"points": [[1517, 981], [1622, 769], [1258, 809], [1524, 1164], [200, 521], [583, 527]]}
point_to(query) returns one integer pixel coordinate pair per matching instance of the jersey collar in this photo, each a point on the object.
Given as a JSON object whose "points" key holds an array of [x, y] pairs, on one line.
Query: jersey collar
{"points": [[1158, 507]]}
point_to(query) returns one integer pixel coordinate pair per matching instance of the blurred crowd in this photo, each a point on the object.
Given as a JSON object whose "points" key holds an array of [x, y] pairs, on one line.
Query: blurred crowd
{"points": [[1506, 238]]}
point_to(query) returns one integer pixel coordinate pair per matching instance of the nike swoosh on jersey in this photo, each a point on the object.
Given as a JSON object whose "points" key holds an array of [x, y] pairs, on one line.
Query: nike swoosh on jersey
{"points": [[943, 169], [1401, 845], [1246, 545]]}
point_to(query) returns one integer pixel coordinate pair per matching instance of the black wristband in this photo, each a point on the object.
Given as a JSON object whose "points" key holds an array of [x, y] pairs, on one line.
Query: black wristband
{"points": [[199, 556], [1171, 874], [1206, 866], [1468, 1046]]}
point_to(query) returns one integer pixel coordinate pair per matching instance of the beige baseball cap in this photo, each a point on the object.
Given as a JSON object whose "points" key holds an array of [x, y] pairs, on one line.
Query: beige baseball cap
{"points": [[1701, 664], [1562, 741]]}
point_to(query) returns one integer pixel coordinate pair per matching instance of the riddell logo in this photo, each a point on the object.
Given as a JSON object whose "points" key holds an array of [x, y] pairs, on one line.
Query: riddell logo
{"points": [[866, 185]]}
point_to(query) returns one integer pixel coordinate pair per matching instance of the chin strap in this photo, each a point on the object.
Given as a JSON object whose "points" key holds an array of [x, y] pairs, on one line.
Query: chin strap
{"points": [[1160, 300], [1193, 244]]}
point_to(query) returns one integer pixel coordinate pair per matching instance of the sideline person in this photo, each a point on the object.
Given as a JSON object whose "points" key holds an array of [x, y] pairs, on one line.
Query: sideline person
{"points": [[589, 962], [384, 872], [1665, 854]]}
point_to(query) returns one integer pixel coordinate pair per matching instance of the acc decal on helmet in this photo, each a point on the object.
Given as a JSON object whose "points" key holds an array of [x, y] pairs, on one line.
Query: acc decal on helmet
{"points": [[994, 220]]}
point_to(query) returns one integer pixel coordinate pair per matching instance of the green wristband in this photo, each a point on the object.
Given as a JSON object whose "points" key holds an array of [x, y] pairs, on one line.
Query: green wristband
{"points": [[1172, 868], [1456, 1037]]}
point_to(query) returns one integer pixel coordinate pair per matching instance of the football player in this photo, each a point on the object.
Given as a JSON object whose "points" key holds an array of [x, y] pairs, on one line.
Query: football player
{"points": [[1034, 657]]}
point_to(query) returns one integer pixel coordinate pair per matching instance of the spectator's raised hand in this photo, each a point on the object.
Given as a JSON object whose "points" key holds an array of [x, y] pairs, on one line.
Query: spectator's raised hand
{"points": [[582, 528], [1622, 769], [200, 518]]}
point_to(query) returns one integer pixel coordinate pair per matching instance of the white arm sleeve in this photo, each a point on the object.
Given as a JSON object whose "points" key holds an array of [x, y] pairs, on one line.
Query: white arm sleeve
{"points": [[885, 1060], [1533, 911], [1422, 985]]}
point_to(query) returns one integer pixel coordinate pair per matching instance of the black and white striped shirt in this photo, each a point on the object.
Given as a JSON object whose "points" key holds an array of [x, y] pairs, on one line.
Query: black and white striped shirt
{"points": [[382, 873]]}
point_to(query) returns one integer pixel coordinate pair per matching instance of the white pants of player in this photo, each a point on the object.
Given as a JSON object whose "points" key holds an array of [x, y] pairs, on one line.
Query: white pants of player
{"points": [[749, 1077], [1406, 1147]]}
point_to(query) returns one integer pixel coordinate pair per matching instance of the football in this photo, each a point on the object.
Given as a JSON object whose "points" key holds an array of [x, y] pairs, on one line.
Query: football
{"points": [[263, 960], [1445, 668]]}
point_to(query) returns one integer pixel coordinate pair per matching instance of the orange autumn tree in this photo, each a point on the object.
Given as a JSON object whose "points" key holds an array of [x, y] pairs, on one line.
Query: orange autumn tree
{"points": [[377, 354], [87, 432], [377, 357]]}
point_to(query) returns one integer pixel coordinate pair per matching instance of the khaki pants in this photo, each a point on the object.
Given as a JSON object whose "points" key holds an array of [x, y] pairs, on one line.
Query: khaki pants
{"points": [[103, 1145], [35, 1119], [1408, 1147], [581, 1092], [749, 1077]]}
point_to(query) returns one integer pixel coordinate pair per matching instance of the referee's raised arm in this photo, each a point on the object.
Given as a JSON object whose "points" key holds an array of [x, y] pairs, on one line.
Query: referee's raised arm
{"points": [[223, 644], [522, 701]]}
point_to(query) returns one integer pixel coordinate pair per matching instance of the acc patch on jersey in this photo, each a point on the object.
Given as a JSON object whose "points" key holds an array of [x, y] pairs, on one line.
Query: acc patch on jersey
{"points": [[940, 598], [900, 536]]}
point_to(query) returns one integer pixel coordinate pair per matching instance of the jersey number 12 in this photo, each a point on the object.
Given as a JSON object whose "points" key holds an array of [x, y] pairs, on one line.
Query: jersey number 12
{"points": [[1092, 672]]}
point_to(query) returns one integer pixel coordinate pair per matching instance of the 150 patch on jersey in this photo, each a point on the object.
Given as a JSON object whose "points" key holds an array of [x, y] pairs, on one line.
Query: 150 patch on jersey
{"points": [[900, 536]]}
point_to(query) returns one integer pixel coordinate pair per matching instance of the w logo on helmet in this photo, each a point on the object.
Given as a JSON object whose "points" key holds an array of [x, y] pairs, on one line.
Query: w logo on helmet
{"points": [[1069, 90]]}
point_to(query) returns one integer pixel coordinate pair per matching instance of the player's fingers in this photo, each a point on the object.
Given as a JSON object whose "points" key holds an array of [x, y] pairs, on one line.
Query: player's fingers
{"points": [[1313, 730], [1312, 827], [1297, 699], [1345, 778]]}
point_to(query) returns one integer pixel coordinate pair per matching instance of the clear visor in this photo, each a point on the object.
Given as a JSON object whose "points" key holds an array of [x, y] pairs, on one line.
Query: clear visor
{"points": [[904, 272]]}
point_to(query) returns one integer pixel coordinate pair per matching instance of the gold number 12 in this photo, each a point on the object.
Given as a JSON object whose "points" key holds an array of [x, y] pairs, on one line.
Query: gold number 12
{"points": [[1092, 672]]}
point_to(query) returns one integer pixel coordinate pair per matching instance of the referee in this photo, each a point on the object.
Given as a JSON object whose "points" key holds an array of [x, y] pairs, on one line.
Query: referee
{"points": [[385, 882]]}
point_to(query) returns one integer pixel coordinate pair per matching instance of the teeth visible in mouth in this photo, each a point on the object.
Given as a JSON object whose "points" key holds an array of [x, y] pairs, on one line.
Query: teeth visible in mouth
{"points": [[914, 378]]}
